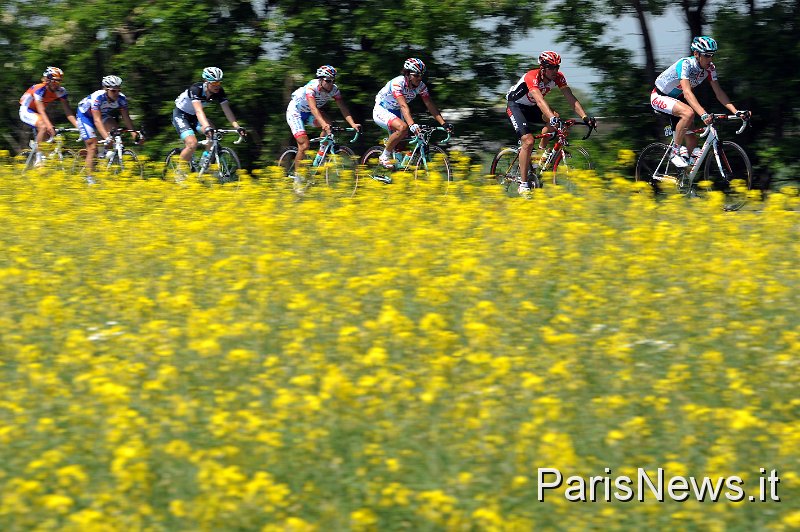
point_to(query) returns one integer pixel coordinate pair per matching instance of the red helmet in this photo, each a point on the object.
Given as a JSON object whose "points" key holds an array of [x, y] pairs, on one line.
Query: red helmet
{"points": [[549, 57]]}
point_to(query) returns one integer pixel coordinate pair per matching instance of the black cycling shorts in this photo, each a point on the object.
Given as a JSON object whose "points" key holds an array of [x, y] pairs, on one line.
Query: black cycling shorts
{"points": [[523, 117]]}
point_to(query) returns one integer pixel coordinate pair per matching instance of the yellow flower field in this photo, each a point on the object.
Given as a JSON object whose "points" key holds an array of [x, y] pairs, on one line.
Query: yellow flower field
{"points": [[195, 358]]}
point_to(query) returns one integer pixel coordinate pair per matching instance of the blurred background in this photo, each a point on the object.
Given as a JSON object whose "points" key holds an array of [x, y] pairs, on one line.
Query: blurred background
{"points": [[474, 50]]}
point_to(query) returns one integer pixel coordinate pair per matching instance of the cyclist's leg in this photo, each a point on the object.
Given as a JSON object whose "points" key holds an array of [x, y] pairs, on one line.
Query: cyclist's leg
{"points": [[185, 124], [680, 111], [521, 116], [396, 127], [88, 135], [31, 118], [297, 123]]}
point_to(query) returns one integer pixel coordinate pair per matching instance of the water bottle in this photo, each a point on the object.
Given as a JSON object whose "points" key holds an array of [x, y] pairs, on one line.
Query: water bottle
{"points": [[668, 130], [204, 159], [320, 154]]}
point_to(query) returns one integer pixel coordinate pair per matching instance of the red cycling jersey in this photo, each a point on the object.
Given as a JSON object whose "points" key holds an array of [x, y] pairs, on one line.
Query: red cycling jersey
{"points": [[520, 91]]}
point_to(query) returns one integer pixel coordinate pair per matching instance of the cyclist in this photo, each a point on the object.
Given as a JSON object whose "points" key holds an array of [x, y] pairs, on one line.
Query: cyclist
{"points": [[33, 102], [189, 115], [526, 105], [673, 95], [305, 108], [95, 116], [391, 111]]}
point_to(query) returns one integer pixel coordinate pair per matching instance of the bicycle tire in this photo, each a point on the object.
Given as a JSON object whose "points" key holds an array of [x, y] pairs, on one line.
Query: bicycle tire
{"points": [[130, 162], [437, 162], [505, 169], [571, 161], [226, 166], [654, 167], [374, 171], [174, 166], [734, 180], [340, 169]]}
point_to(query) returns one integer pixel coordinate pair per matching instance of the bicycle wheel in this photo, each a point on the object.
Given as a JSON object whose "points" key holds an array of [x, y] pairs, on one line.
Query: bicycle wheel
{"points": [[339, 171], [572, 161], [730, 173], [174, 167], [654, 168], [505, 169], [224, 169], [436, 169], [130, 162], [373, 172]]}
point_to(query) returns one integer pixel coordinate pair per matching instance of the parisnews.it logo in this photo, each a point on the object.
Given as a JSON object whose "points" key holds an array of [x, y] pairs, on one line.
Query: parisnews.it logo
{"points": [[655, 485]]}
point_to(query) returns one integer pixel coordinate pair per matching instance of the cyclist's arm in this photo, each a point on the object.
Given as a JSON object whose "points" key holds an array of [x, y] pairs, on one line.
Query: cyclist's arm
{"points": [[126, 117], [312, 105], [346, 113], [69, 113], [97, 116], [538, 97], [201, 114], [573, 101], [433, 110], [45, 120], [405, 111], [722, 96], [226, 108], [691, 99]]}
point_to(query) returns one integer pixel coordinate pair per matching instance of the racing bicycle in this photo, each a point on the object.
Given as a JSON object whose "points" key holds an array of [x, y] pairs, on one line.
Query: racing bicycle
{"points": [[422, 158], [220, 162], [62, 158], [333, 166], [721, 166], [562, 160]]}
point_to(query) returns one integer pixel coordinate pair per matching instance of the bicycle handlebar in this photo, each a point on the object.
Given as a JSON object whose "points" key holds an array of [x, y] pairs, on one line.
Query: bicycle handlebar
{"points": [[338, 129], [429, 130], [225, 131], [715, 117]]}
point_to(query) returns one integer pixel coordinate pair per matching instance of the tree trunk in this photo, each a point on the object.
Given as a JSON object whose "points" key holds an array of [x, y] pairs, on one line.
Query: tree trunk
{"points": [[649, 56]]}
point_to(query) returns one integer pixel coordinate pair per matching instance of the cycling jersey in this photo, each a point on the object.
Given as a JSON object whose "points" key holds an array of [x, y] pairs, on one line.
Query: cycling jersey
{"points": [[198, 93], [520, 91], [313, 89], [40, 92], [387, 97], [669, 82], [99, 101]]}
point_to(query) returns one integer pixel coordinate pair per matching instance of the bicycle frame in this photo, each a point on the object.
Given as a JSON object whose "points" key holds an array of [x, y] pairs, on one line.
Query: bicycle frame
{"points": [[420, 144], [57, 139], [327, 143], [556, 155], [212, 145]]}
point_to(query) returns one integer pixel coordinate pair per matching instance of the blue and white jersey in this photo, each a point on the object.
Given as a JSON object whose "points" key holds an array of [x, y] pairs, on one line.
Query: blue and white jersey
{"points": [[313, 89], [99, 100], [669, 82]]}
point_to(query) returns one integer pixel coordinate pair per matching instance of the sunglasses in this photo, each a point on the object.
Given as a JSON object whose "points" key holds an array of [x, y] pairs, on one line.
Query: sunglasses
{"points": [[214, 83], [114, 90], [708, 55], [415, 74], [328, 80], [552, 67]]}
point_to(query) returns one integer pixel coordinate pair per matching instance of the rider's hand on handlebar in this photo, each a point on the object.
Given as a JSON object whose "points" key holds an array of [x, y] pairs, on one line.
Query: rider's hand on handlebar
{"points": [[448, 127], [208, 130], [744, 115], [241, 131], [414, 129], [590, 121], [555, 122]]}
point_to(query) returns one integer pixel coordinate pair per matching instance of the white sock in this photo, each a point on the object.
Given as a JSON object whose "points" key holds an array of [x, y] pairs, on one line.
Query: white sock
{"points": [[386, 154]]}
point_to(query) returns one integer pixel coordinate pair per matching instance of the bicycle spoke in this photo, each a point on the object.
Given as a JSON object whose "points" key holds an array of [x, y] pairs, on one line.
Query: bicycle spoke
{"points": [[729, 173]]}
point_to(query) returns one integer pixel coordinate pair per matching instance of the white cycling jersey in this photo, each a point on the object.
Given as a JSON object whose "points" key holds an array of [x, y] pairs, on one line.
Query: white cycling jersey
{"points": [[313, 89], [669, 81], [387, 97]]}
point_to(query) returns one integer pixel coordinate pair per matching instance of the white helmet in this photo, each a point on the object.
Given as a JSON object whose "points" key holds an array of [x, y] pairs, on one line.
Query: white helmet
{"points": [[212, 74], [326, 71], [415, 65], [110, 82]]}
